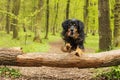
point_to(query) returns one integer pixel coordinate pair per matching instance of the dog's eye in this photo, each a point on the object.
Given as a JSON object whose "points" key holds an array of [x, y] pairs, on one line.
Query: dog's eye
{"points": [[74, 24]]}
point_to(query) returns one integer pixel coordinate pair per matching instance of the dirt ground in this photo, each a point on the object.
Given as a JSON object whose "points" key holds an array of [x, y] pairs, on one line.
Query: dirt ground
{"points": [[56, 47], [53, 73]]}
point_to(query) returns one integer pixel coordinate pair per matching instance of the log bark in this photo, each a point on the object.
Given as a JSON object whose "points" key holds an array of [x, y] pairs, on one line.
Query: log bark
{"points": [[103, 59], [16, 57], [8, 56]]}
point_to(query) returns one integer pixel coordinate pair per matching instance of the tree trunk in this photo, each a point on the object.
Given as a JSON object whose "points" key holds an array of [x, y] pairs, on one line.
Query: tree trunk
{"points": [[47, 19], [24, 24], [15, 11], [86, 2], [33, 18], [38, 20], [8, 17], [56, 15], [117, 23], [67, 9], [15, 28], [105, 34], [15, 57]]}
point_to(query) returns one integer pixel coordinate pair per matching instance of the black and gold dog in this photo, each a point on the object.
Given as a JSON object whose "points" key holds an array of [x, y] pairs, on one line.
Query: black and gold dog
{"points": [[73, 35]]}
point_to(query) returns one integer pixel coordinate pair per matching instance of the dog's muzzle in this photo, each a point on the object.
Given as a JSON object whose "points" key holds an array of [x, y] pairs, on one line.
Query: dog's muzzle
{"points": [[71, 31]]}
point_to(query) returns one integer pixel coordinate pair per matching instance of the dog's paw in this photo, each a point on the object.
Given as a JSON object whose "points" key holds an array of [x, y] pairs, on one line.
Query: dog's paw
{"points": [[68, 46], [78, 52], [64, 49]]}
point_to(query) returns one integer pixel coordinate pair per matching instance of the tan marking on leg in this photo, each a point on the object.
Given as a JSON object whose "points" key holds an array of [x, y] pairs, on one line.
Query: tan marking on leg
{"points": [[66, 48], [78, 52]]}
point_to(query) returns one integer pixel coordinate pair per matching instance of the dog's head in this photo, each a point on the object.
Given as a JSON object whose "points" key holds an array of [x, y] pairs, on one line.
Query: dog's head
{"points": [[72, 27]]}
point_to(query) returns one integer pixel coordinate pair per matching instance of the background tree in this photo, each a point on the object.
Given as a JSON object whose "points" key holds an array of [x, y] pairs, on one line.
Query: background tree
{"points": [[105, 35], [86, 3], [117, 23], [38, 20], [67, 9], [8, 17], [47, 19], [35, 22], [92, 19], [24, 15], [15, 11], [56, 6]]}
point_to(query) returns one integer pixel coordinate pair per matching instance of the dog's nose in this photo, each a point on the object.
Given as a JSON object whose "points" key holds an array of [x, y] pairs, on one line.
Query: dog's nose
{"points": [[71, 30]]}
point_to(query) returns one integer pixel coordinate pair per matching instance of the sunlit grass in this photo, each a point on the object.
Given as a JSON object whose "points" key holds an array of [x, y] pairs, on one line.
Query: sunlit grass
{"points": [[28, 46], [92, 42]]}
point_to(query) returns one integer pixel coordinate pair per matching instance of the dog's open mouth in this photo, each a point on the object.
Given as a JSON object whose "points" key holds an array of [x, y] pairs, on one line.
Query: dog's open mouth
{"points": [[71, 34]]}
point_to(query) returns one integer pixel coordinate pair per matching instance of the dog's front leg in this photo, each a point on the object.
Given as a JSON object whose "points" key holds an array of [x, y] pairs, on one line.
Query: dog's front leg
{"points": [[79, 51], [66, 48]]}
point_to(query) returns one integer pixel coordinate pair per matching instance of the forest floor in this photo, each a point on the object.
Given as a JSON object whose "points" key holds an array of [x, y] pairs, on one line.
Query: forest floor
{"points": [[54, 73]]}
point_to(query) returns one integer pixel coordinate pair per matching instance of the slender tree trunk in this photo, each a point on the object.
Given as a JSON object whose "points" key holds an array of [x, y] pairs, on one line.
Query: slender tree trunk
{"points": [[67, 9], [33, 18], [105, 34], [8, 17], [37, 27], [47, 19], [86, 15], [15, 11], [117, 23], [24, 25], [56, 15]]}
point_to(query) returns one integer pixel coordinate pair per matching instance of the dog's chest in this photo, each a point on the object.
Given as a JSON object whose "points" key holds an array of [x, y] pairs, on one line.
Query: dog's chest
{"points": [[73, 42]]}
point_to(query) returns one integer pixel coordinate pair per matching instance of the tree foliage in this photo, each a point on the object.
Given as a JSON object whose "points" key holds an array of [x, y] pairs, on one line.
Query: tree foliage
{"points": [[28, 18]]}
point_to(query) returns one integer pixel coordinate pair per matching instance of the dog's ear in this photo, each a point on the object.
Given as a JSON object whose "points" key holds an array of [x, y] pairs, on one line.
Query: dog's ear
{"points": [[80, 26], [65, 24]]}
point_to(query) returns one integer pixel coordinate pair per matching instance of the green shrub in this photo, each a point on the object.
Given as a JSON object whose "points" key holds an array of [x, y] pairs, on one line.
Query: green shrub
{"points": [[9, 72], [113, 74]]}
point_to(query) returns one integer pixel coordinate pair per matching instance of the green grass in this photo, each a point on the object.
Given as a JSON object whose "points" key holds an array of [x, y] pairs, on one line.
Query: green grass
{"points": [[92, 42], [30, 46]]}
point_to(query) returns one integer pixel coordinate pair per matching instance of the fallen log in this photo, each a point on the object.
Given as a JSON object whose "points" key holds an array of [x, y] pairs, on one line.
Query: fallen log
{"points": [[8, 56], [16, 57], [102, 59]]}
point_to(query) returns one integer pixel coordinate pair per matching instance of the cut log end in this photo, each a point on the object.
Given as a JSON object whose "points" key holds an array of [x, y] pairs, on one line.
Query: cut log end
{"points": [[8, 56]]}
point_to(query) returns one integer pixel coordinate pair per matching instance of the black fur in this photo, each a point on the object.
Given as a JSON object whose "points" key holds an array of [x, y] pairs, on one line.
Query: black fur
{"points": [[79, 41]]}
